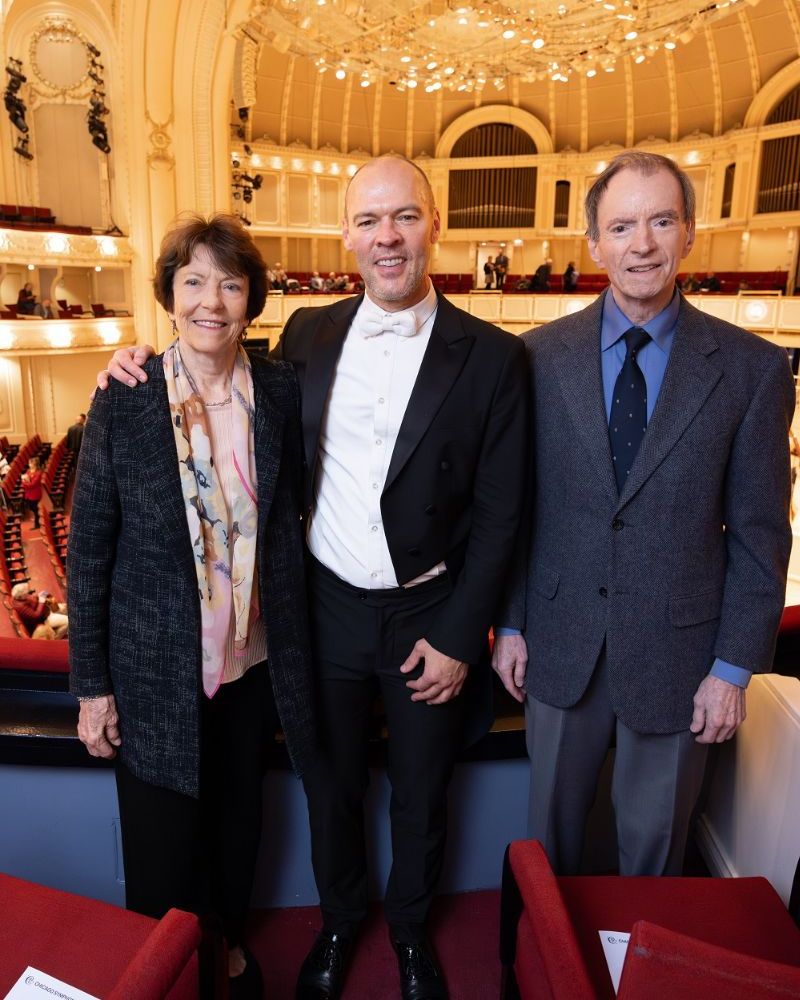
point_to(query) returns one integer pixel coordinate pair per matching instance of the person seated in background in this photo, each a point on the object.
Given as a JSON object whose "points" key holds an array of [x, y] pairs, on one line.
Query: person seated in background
{"points": [[279, 277], [710, 283], [3, 466], [43, 631], [570, 277], [26, 300], [35, 609], [690, 284], [45, 310], [541, 279], [343, 283], [330, 282], [316, 284]]}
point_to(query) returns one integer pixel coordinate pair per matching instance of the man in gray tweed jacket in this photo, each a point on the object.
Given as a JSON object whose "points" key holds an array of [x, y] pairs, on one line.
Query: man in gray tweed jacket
{"points": [[652, 584]]}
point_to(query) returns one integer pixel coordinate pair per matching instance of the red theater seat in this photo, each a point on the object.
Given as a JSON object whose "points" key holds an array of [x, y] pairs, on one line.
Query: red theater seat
{"points": [[551, 945], [101, 949]]}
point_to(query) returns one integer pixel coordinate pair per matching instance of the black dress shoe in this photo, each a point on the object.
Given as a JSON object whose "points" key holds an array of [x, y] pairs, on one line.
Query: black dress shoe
{"points": [[323, 971], [248, 985], [420, 975]]}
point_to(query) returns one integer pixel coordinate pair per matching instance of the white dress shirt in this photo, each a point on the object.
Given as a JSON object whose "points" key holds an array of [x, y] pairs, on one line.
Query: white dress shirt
{"points": [[369, 394]]}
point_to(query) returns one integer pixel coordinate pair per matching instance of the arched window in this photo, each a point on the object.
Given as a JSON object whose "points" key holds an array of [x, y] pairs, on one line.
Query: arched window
{"points": [[787, 110], [494, 139]]}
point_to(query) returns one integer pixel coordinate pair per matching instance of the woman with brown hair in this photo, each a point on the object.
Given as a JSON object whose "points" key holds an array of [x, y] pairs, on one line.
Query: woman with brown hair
{"points": [[185, 566]]}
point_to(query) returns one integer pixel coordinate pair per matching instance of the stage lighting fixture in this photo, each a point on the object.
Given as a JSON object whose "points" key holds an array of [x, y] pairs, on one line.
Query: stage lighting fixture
{"points": [[21, 149], [101, 143], [94, 51], [244, 114]]}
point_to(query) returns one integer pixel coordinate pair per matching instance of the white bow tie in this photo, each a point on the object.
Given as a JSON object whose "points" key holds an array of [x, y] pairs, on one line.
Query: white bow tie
{"points": [[403, 323]]}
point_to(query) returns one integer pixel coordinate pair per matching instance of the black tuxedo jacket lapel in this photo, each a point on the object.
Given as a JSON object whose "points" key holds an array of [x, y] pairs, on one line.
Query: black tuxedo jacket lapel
{"points": [[445, 356], [323, 355]]}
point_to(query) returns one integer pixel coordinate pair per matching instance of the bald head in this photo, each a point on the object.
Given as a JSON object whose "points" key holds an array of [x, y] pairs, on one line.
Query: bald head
{"points": [[386, 164]]}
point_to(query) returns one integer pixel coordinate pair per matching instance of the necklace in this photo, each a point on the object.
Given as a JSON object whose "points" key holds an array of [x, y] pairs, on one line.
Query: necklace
{"points": [[222, 402]]}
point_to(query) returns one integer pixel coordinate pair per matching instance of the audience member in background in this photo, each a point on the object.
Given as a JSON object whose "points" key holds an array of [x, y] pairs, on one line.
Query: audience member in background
{"points": [[34, 609], [541, 278], [488, 273], [185, 564], [690, 284], [4, 466], [280, 279], [75, 435], [500, 269], [330, 281], [26, 300], [45, 310], [570, 277], [316, 284], [32, 489], [711, 283], [43, 631]]}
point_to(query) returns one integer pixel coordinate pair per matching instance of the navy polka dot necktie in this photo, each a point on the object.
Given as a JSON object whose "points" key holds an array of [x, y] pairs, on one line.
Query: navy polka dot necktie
{"points": [[628, 420]]}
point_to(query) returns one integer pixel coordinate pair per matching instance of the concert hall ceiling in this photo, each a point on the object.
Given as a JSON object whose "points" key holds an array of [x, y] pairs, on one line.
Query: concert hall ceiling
{"points": [[630, 91]]}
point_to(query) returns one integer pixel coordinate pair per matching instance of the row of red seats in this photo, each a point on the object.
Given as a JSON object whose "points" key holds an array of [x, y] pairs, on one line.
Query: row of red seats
{"points": [[35, 217], [56, 473], [65, 311], [13, 569], [12, 487], [55, 533]]}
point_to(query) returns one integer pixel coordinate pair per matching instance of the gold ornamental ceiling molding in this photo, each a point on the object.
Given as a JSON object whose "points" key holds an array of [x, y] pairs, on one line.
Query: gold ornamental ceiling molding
{"points": [[467, 45]]}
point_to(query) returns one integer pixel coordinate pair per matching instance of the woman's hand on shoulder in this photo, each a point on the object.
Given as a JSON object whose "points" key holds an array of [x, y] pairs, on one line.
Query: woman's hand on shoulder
{"points": [[98, 726]]}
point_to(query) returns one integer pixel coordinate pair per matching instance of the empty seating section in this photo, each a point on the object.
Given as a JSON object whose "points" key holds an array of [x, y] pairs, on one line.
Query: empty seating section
{"points": [[36, 217], [55, 531], [56, 473]]}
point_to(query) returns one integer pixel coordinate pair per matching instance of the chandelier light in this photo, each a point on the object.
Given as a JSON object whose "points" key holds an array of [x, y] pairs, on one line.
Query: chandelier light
{"points": [[463, 44]]}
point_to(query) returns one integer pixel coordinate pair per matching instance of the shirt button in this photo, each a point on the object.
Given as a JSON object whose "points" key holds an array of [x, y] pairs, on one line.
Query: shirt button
{"points": [[374, 576], [617, 524], [603, 592], [387, 354], [381, 399], [374, 486], [374, 527], [378, 441]]}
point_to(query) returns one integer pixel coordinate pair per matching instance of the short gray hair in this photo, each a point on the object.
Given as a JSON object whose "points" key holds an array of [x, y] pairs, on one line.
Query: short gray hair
{"points": [[644, 163]]}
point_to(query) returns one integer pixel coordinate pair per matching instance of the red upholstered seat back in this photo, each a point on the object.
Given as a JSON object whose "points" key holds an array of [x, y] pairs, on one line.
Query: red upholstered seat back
{"points": [[22, 654], [94, 946], [661, 963]]}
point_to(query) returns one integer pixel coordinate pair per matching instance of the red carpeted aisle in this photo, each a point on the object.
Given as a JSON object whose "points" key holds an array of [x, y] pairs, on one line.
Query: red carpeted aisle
{"points": [[464, 932]]}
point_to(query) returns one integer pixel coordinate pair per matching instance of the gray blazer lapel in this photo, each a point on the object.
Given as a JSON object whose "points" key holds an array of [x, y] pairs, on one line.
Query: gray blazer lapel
{"points": [[267, 441], [581, 379], [447, 350], [692, 372]]}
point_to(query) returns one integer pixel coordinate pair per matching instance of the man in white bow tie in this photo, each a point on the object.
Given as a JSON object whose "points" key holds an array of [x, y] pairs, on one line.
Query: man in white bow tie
{"points": [[415, 424]]}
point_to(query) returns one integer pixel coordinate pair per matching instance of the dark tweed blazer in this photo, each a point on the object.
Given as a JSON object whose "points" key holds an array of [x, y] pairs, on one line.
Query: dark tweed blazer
{"points": [[133, 600], [689, 563]]}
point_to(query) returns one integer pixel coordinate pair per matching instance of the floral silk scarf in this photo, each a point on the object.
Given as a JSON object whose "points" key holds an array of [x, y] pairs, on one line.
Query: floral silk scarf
{"points": [[225, 561]]}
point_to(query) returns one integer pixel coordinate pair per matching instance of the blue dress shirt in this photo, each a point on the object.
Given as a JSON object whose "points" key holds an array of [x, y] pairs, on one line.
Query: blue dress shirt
{"points": [[652, 359]]}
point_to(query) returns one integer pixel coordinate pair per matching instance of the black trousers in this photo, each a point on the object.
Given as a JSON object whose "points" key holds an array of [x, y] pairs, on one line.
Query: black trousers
{"points": [[200, 854], [361, 638], [33, 507]]}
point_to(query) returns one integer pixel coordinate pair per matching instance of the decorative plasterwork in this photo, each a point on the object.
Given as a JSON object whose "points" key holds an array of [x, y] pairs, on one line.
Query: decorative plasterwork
{"points": [[160, 154], [713, 62], [750, 45], [245, 66], [30, 337], [58, 28], [65, 249]]}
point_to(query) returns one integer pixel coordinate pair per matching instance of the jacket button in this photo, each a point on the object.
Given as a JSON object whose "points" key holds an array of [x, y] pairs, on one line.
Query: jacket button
{"points": [[617, 524], [603, 592], [445, 465], [414, 552], [430, 509]]}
